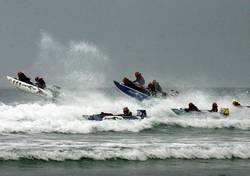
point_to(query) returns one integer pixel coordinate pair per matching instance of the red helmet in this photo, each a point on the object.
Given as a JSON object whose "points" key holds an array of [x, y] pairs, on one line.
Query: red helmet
{"points": [[125, 110], [150, 85], [137, 74], [190, 104], [125, 79]]}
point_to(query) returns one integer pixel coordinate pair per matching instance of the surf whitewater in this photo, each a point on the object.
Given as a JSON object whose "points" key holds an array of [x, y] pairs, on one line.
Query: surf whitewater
{"points": [[34, 129], [45, 117], [40, 130], [116, 151]]}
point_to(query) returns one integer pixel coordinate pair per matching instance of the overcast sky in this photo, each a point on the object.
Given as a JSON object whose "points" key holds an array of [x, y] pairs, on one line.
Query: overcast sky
{"points": [[180, 42]]}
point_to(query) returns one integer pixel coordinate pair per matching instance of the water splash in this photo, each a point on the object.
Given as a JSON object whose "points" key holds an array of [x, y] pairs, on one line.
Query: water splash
{"points": [[76, 65]]}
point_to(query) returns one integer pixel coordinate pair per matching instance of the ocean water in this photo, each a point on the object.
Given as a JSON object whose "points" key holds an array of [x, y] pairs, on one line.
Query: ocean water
{"points": [[39, 137]]}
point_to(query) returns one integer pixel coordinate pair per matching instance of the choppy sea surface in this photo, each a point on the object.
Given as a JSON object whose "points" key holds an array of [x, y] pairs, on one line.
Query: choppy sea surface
{"points": [[39, 137]]}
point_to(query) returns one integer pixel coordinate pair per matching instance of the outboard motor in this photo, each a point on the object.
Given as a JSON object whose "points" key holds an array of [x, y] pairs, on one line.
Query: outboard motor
{"points": [[142, 113]]}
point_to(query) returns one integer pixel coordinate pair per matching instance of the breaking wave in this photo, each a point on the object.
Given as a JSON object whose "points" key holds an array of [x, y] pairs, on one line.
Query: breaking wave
{"points": [[140, 152], [82, 71], [67, 118]]}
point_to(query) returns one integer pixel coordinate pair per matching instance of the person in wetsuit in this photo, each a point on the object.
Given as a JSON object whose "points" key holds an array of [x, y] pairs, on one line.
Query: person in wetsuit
{"points": [[40, 82], [130, 84], [214, 108], [191, 108], [157, 86], [126, 112], [151, 89], [22, 77], [139, 81]]}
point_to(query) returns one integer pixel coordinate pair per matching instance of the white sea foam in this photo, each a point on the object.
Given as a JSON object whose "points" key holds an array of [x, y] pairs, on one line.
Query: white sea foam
{"points": [[78, 64], [75, 65], [81, 68], [141, 152], [67, 117]]}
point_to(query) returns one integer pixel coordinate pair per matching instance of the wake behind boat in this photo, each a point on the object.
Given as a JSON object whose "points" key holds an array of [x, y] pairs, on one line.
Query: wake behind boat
{"points": [[47, 93]]}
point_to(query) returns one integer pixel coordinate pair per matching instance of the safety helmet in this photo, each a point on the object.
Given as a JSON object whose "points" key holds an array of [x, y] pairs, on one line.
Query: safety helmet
{"points": [[125, 110], [125, 79], [150, 85], [36, 78], [20, 73], [137, 74], [190, 104]]}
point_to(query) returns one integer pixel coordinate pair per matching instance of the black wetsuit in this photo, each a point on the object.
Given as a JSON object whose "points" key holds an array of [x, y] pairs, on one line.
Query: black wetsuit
{"points": [[40, 83], [192, 108], [158, 88], [22, 77], [214, 110], [133, 86]]}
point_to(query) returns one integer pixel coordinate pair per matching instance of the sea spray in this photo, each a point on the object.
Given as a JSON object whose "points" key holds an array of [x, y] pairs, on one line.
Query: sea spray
{"points": [[76, 65], [66, 117]]}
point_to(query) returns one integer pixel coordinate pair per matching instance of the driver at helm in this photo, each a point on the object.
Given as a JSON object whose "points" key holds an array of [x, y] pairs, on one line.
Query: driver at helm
{"points": [[126, 112], [191, 107], [40, 82], [22, 77]]}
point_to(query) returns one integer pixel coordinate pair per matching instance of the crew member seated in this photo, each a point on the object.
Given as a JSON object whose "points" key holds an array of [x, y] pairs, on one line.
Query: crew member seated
{"points": [[191, 107], [126, 112], [22, 77], [214, 108], [139, 81], [130, 84], [157, 86], [151, 89], [40, 82], [154, 88]]}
